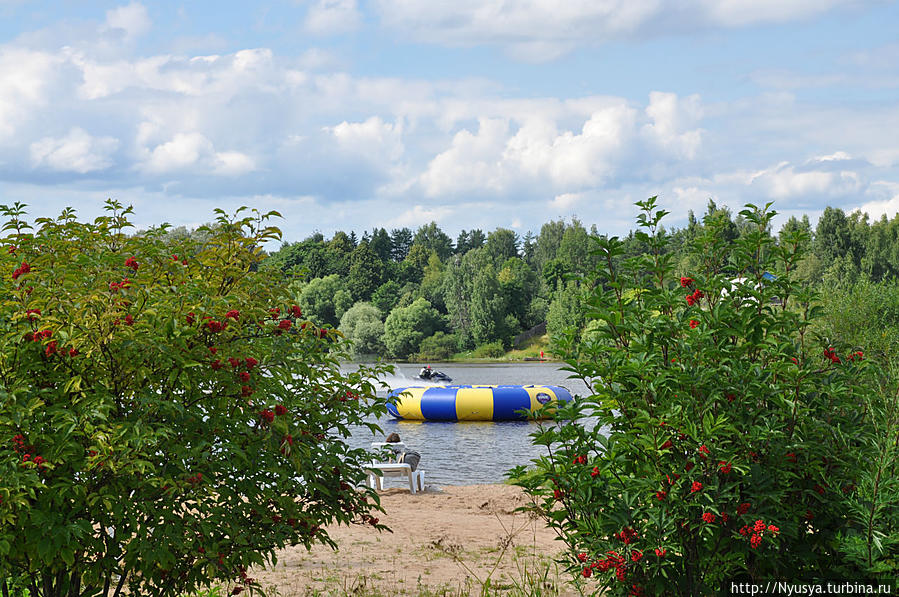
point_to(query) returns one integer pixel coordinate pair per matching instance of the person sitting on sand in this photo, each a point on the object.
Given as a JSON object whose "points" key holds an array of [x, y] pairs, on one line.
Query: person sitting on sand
{"points": [[410, 457]]}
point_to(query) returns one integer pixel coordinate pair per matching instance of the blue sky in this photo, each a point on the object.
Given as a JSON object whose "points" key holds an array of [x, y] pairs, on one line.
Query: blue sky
{"points": [[351, 114]]}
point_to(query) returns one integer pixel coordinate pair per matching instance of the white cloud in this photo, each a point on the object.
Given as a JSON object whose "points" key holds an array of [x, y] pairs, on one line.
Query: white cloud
{"points": [[258, 125], [885, 207], [328, 17], [189, 150], [471, 163], [133, 20], [419, 215], [785, 181], [673, 122], [76, 152], [737, 13], [373, 138], [530, 154], [540, 30], [566, 201], [233, 163], [185, 149], [25, 79]]}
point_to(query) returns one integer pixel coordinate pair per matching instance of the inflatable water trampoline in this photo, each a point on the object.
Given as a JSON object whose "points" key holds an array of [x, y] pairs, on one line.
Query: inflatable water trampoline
{"points": [[473, 403]]}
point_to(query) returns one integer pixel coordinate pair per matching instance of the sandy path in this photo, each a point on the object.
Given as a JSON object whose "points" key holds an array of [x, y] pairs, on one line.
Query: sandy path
{"points": [[444, 542]]}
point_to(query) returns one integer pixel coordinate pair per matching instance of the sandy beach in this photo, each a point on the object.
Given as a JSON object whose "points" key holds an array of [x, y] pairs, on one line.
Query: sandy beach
{"points": [[445, 541]]}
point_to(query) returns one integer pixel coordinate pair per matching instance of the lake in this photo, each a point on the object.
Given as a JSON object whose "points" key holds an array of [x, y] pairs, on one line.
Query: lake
{"points": [[464, 453]]}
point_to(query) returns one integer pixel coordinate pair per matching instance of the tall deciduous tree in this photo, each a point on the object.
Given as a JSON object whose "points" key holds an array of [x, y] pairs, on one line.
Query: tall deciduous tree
{"points": [[325, 299], [406, 327], [362, 326]]}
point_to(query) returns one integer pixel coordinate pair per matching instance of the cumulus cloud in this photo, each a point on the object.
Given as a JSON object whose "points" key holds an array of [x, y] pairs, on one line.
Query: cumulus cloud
{"points": [[673, 123], [373, 138], [532, 155], [815, 178], [259, 125], [25, 79], [879, 208], [76, 152], [188, 150]]}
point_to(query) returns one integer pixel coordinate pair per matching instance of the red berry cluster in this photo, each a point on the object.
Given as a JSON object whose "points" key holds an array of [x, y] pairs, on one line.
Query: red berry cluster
{"points": [[116, 286], [40, 335], [132, 263], [183, 261], [612, 561], [692, 299], [21, 270], [213, 326], [686, 282], [26, 451], [195, 479], [32, 314], [348, 395], [829, 353], [243, 581], [243, 376], [724, 466], [286, 324], [627, 535], [582, 459], [757, 531]]}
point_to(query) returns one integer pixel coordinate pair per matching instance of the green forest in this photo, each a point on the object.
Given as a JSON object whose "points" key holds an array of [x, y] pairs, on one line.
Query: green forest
{"points": [[407, 294]]}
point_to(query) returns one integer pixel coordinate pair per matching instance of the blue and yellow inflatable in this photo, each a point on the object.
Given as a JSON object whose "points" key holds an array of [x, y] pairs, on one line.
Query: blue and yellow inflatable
{"points": [[473, 403]]}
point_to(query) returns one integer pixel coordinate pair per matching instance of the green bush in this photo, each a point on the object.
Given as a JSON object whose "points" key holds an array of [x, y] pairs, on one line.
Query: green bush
{"points": [[406, 327], [438, 347], [168, 418], [491, 350], [363, 327], [721, 442]]}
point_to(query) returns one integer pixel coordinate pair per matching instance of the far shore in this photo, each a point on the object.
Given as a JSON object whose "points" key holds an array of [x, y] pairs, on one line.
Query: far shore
{"points": [[445, 541]]}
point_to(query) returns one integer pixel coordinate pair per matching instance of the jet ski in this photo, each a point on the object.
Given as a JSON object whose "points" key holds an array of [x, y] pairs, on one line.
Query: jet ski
{"points": [[429, 374]]}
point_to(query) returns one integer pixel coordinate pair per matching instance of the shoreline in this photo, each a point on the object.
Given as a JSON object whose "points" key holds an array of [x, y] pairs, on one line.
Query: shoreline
{"points": [[445, 541]]}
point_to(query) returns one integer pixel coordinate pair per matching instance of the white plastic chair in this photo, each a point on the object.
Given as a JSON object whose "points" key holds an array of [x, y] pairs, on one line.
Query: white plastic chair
{"points": [[395, 469]]}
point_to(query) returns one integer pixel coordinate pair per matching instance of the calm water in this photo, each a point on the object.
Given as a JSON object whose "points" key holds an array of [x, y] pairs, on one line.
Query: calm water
{"points": [[469, 452]]}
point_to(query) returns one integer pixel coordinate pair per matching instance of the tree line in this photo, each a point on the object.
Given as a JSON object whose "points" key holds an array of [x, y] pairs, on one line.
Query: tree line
{"points": [[406, 294]]}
